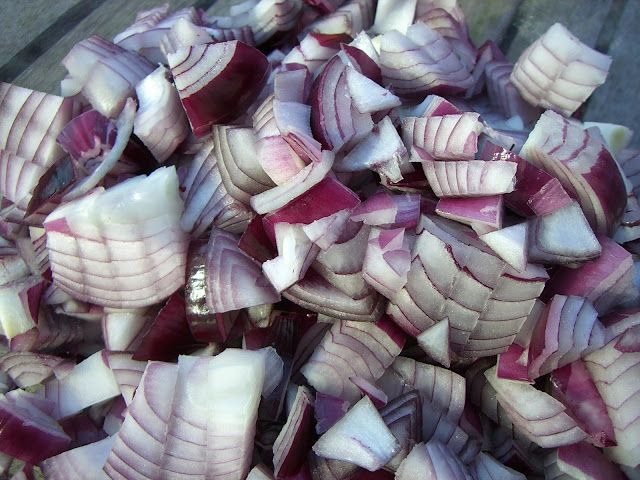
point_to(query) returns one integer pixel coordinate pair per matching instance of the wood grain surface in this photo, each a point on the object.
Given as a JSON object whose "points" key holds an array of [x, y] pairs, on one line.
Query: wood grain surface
{"points": [[36, 34]]}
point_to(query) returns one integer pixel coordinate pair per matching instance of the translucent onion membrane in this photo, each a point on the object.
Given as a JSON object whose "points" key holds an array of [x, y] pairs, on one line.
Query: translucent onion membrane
{"points": [[538, 416], [145, 35], [574, 387], [27, 369], [567, 331], [160, 121], [386, 210], [446, 137], [584, 166], [130, 257], [580, 459], [352, 349], [615, 376], [435, 460], [352, 17], [105, 73], [559, 72], [201, 74], [403, 416], [360, 437], [421, 62], [81, 462], [29, 432], [607, 281], [314, 50], [194, 418]]}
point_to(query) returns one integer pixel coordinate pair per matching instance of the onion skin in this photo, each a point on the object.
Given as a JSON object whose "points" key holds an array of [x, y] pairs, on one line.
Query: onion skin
{"points": [[238, 77]]}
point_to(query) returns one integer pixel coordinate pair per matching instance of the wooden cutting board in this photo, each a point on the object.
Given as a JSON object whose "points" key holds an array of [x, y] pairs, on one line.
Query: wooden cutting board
{"points": [[36, 34]]}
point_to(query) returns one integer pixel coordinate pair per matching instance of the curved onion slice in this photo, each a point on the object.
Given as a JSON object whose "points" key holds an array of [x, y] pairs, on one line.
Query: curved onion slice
{"points": [[314, 50], [388, 211], [403, 416], [444, 137], [352, 349], [432, 460], [137, 221], [580, 460], [574, 387], [160, 121], [202, 73], [19, 305], [503, 94], [540, 417], [559, 72], [27, 369], [486, 467], [483, 214], [567, 330], [584, 166], [352, 17], [126, 371], [19, 178], [387, 260], [442, 393], [233, 280], [29, 432], [615, 374], [80, 463], [360, 437]]}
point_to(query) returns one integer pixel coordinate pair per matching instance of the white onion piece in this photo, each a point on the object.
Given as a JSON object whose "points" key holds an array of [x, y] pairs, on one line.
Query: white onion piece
{"points": [[352, 17], [435, 342], [583, 165], [31, 121], [367, 95], [387, 260], [549, 235], [90, 382], [510, 244], [485, 467], [296, 252], [87, 235], [295, 186], [19, 304], [606, 281], [295, 438], [421, 62], [226, 266], [382, 151], [122, 329], [540, 417], [126, 371], [27, 369], [269, 17], [360, 437], [558, 71], [442, 394], [352, 349], [615, 374], [160, 121], [503, 94], [390, 16], [207, 201], [567, 330], [202, 73], [124, 125], [481, 213], [79, 463], [432, 460], [184, 33]]}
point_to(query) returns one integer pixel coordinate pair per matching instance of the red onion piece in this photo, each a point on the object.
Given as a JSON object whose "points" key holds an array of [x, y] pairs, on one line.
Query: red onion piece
{"points": [[90, 382], [127, 372], [387, 260], [202, 72], [27, 369], [352, 17], [485, 467], [368, 389], [367, 95], [513, 364], [227, 265], [574, 387], [435, 342], [434, 460], [583, 165], [580, 459], [504, 95], [296, 437], [160, 121], [388, 211], [403, 416], [314, 50], [558, 71], [390, 16], [510, 244], [360, 437], [81, 462], [18, 180], [480, 213], [122, 329], [51, 333], [29, 432], [326, 231], [606, 281], [31, 122], [145, 231], [185, 33], [352, 349], [328, 410], [19, 304], [539, 417]]}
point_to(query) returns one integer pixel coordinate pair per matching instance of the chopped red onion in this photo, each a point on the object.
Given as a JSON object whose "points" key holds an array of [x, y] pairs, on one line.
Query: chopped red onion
{"points": [[435, 461], [127, 372], [503, 94], [81, 462], [580, 459], [19, 178], [510, 244], [481, 213], [352, 17], [388, 211], [558, 71], [27, 369], [435, 342], [314, 50], [387, 260], [390, 16], [485, 467], [19, 305]]}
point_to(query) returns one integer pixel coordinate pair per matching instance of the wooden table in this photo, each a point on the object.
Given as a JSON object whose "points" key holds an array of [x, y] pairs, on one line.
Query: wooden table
{"points": [[36, 34]]}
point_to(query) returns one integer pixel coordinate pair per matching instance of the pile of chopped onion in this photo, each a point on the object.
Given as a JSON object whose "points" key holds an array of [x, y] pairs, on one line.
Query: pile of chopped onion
{"points": [[304, 247]]}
